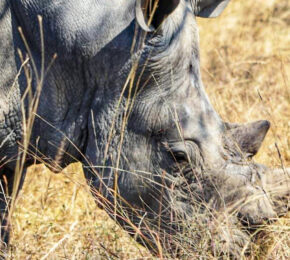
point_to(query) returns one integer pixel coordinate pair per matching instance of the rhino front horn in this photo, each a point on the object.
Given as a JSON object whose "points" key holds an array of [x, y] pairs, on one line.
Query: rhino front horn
{"points": [[249, 137]]}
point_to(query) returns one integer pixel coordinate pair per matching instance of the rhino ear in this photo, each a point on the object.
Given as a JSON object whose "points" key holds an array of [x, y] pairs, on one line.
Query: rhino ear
{"points": [[159, 9], [250, 136], [209, 8]]}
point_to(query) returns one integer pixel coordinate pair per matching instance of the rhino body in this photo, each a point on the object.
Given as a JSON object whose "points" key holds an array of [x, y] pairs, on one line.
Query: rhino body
{"points": [[125, 98]]}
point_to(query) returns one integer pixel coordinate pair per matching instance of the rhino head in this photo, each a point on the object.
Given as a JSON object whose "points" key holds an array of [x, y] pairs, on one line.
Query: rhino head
{"points": [[158, 148]]}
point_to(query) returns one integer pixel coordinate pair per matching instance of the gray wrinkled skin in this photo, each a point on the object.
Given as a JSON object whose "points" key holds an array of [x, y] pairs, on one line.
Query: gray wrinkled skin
{"points": [[173, 149]]}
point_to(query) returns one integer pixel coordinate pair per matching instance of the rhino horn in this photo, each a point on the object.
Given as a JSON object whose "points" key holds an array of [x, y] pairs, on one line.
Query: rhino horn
{"points": [[249, 137]]}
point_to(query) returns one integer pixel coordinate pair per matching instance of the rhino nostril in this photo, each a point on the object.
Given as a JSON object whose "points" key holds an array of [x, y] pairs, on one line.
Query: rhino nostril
{"points": [[253, 222], [245, 219], [269, 220], [250, 222]]}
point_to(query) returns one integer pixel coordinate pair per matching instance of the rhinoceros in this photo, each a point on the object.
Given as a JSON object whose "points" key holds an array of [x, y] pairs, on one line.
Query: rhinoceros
{"points": [[116, 85]]}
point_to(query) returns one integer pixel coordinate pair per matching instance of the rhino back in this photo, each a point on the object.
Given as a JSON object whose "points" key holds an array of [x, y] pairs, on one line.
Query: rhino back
{"points": [[74, 26]]}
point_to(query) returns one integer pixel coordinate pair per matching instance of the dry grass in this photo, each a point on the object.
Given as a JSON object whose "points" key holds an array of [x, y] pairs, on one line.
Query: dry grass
{"points": [[57, 217], [245, 65]]}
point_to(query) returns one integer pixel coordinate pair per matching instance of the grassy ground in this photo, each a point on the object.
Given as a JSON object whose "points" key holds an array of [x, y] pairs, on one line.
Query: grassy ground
{"points": [[246, 65]]}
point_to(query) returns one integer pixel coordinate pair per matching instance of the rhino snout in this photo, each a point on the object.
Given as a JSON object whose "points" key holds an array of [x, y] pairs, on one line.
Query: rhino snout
{"points": [[257, 209]]}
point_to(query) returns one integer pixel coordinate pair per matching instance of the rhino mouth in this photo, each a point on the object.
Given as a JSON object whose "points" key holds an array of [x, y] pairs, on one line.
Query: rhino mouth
{"points": [[235, 201]]}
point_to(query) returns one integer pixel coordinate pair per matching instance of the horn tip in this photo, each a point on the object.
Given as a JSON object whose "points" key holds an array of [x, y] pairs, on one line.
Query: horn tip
{"points": [[265, 124], [262, 125]]}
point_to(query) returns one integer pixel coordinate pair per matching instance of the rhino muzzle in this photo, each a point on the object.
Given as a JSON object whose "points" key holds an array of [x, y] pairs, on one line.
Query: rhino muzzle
{"points": [[249, 193]]}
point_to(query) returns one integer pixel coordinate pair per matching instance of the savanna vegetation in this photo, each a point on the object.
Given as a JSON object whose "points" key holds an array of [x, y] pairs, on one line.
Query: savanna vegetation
{"points": [[245, 58]]}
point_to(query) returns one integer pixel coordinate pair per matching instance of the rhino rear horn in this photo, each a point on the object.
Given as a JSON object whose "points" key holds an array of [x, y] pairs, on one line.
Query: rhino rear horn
{"points": [[159, 9], [249, 137]]}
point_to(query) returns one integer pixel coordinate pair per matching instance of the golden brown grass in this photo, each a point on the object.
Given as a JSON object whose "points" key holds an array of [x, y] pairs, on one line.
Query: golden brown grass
{"points": [[245, 65]]}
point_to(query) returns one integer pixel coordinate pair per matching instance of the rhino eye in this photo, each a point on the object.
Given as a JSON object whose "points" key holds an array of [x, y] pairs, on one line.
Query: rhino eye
{"points": [[180, 156], [183, 151]]}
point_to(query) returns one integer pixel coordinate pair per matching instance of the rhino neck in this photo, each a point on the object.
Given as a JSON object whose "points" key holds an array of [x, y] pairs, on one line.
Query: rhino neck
{"points": [[81, 37]]}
